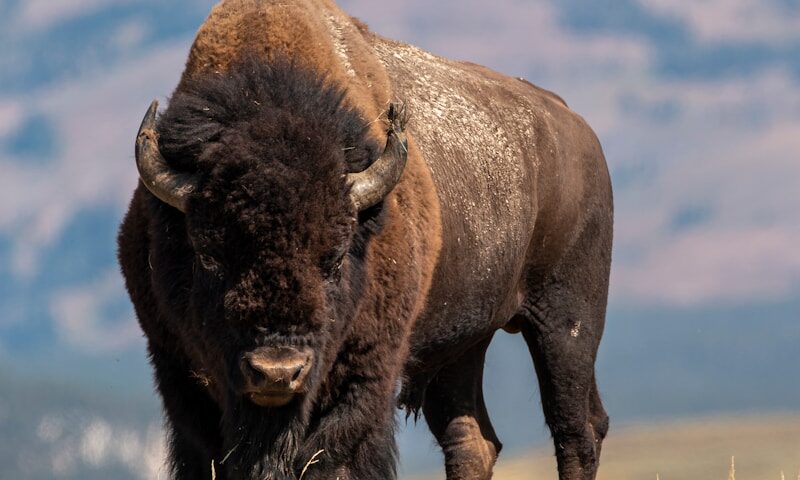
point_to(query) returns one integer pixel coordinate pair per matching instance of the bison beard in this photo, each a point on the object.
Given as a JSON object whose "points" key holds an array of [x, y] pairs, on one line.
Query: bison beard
{"points": [[263, 445]]}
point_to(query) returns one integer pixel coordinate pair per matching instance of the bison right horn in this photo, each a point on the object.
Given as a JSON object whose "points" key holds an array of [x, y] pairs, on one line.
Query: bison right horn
{"points": [[169, 186], [369, 187]]}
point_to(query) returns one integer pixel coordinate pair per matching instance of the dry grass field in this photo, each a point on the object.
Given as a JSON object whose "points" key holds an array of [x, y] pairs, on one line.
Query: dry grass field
{"points": [[764, 447]]}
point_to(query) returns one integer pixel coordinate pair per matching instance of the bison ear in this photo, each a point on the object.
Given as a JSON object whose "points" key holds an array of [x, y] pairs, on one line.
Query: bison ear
{"points": [[169, 186], [369, 187]]}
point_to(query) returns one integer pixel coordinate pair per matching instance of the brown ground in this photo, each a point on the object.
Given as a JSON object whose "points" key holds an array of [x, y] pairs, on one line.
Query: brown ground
{"points": [[701, 449]]}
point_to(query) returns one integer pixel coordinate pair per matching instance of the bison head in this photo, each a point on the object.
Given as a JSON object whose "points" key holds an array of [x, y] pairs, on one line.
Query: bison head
{"points": [[276, 189]]}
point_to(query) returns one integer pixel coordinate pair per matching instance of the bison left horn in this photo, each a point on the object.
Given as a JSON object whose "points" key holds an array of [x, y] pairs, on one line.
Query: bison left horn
{"points": [[169, 186], [369, 187]]}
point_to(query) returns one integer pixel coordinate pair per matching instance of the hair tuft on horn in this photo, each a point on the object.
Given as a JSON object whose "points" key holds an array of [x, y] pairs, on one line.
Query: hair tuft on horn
{"points": [[169, 186], [369, 187]]}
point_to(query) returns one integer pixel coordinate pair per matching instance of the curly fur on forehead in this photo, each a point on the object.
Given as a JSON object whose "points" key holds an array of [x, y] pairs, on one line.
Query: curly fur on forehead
{"points": [[272, 142], [278, 108]]}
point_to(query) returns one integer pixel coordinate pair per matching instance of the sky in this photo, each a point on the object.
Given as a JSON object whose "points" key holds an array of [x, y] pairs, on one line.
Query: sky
{"points": [[697, 105]]}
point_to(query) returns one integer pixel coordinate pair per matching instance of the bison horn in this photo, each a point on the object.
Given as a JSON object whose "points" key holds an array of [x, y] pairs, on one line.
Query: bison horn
{"points": [[369, 187], [169, 186]]}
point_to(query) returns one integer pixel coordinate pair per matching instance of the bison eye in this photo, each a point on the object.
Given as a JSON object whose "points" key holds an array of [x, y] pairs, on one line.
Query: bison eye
{"points": [[208, 263]]}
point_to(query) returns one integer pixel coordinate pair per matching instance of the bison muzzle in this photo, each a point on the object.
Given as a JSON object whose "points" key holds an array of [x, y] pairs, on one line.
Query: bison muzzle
{"points": [[273, 376]]}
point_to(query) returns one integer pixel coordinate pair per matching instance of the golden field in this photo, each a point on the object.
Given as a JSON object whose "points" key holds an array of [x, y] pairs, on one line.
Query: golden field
{"points": [[764, 447]]}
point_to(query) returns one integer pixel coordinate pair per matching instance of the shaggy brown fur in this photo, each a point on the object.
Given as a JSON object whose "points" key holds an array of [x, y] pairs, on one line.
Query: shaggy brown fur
{"points": [[502, 219]]}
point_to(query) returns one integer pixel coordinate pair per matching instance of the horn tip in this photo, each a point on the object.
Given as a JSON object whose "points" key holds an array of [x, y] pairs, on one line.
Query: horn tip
{"points": [[149, 120]]}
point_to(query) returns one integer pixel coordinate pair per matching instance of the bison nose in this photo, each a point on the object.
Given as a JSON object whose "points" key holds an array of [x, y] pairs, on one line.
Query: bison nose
{"points": [[273, 375]]}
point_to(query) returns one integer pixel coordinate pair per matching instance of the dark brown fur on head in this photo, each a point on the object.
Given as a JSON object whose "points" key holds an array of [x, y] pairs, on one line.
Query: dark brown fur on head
{"points": [[278, 248]]}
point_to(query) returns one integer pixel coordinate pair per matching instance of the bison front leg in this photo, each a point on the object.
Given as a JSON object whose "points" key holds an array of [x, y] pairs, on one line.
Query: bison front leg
{"points": [[369, 457], [353, 437], [456, 414]]}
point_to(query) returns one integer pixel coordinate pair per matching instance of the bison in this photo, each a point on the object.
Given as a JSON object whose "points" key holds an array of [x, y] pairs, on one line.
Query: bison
{"points": [[330, 224]]}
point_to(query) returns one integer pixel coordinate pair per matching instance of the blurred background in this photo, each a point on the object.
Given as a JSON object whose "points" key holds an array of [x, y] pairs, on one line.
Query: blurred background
{"points": [[697, 104]]}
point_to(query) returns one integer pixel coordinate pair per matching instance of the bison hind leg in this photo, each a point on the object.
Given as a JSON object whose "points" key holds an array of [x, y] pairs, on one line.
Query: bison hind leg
{"points": [[456, 414], [570, 399], [564, 316]]}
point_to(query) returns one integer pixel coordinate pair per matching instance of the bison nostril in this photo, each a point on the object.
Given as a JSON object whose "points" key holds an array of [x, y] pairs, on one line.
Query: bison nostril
{"points": [[251, 373], [297, 373]]}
